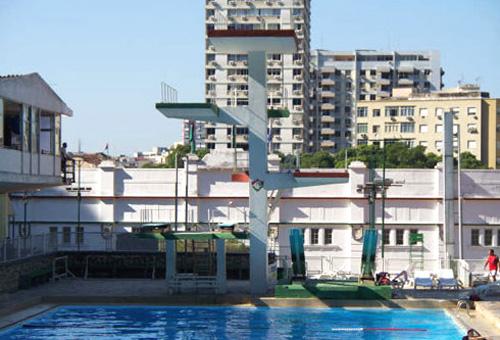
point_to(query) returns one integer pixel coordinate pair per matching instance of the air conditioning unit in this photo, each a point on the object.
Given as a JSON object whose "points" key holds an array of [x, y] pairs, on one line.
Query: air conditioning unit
{"points": [[211, 137], [296, 122], [245, 62], [277, 137], [364, 136], [232, 63], [211, 48], [211, 18], [269, 3], [270, 63], [439, 117], [245, 137], [212, 63], [297, 107], [244, 18], [233, 3], [410, 118], [232, 78], [472, 130], [212, 78], [245, 93], [298, 137], [299, 78], [298, 62], [393, 118], [245, 77], [277, 77], [297, 92], [277, 122]]}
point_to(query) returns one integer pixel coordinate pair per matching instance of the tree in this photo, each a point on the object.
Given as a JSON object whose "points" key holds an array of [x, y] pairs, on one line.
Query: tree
{"points": [[469, 161], [182, 151]]}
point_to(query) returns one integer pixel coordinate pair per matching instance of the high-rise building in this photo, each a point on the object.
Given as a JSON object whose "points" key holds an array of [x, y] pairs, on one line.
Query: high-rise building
{"points": [[226, 79], [417, 119], [340, 79]]}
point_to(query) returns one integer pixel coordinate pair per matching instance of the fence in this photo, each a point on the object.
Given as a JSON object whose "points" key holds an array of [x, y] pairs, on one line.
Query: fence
{"points": [[21, 248]]}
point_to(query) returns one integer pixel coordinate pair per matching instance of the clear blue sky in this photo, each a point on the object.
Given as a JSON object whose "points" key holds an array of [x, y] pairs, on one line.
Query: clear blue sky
{"points": [[106, 59]]}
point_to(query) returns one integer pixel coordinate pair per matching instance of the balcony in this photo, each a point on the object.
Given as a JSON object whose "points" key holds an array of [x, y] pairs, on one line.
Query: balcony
{"points": [[327, 81], [327, 119], [406, 82], [327, 144], [383, 94], [327, 131], [327, 94], [384, 81], [327, 106]]}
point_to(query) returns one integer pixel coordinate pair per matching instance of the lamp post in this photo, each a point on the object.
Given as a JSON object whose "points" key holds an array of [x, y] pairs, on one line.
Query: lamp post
{"points": [[176, 200], [459, 193]]}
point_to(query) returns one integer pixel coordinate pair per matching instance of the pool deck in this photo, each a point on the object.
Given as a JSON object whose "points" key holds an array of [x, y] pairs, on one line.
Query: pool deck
{"points": [[25, 304]]}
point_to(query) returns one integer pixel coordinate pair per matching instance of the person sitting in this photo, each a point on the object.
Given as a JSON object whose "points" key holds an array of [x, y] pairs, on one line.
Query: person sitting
{"points": [[472, 334], [383, 279]]}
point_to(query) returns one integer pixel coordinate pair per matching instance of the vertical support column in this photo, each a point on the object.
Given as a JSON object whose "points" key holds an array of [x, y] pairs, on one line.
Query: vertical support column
{"points": [[392, 237], [307, 236], [406, 237], [449, 184], [170, 259], [221, 266], [257, 103], [321, 237]]}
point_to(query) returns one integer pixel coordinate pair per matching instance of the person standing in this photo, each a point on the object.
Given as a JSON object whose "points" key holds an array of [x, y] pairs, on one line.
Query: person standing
{"points": [[492, 264]]}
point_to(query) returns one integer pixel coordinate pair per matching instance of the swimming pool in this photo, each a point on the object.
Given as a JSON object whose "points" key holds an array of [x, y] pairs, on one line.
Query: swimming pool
{"points": [[148, 322]]}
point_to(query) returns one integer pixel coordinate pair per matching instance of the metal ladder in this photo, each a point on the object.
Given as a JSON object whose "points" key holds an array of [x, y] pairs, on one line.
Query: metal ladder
{"points": [[417, 251]]}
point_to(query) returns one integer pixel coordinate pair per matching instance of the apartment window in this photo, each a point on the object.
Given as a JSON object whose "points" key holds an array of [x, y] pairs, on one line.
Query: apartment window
{"points": [[439, 145], [376, 128], [425, 144], [471, 111], [423, 128], [314, 236], [424, 112], [391, 127], [376, 112], [400, 233], [438, 128], [471, 144], [362, 112], [12, 115], [362, 128], [407, 111], [391, 111], [328, 236], [407, 127], [362, 141], [455, 110], [439, 112], [386, 236], [66, 235], [488, 237]]}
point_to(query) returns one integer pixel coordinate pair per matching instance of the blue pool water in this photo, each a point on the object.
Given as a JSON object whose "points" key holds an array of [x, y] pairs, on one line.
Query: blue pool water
{"points": [[110, 322]]}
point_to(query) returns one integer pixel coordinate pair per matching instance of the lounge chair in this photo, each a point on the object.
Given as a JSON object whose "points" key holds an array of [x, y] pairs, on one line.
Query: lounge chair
{"points": [[423, 279], [446, 279]]}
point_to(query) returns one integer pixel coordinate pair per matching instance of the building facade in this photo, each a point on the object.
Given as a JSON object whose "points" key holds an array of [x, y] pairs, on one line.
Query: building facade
{"points": [[226, 82], [340, 79], [333, 216], [417, 119], [30, 138]]}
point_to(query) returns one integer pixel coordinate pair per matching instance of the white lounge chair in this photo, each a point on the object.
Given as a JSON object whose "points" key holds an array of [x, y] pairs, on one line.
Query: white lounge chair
{"points": [[446, 279], [423, 279]]}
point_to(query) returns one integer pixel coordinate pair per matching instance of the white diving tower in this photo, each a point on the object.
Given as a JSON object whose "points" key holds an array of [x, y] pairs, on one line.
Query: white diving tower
{"points": [[257, 44]]}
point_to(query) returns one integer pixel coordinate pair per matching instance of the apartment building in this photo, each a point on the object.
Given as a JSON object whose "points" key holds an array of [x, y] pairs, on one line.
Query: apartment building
{"points": [[417, 119], [340, 79], [226, 82], [30, 138]]}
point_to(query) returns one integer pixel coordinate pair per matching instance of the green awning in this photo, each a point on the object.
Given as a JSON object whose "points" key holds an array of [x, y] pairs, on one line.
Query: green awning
{"points": [[278, 113], [150, 236], [200, 236]]}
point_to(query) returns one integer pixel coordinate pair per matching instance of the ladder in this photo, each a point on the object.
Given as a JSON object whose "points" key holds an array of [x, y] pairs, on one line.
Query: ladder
{"points": [[417, 251]]}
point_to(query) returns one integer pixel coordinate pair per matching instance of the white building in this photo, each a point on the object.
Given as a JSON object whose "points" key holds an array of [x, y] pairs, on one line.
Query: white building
{"points": [[340, 79], [226, 79], [30, 138], [332, 216]]}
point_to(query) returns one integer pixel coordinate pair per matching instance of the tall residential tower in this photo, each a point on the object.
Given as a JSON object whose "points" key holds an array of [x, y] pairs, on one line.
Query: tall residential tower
{"points": [[340, 79], [226, 78]]}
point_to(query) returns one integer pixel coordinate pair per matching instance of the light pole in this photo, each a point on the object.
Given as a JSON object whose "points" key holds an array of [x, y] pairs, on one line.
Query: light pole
{"points": [[459, 193], [176, 201]]}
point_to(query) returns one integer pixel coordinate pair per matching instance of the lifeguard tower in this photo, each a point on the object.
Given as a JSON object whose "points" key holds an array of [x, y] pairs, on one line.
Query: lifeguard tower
{"points": [[256, 44]]}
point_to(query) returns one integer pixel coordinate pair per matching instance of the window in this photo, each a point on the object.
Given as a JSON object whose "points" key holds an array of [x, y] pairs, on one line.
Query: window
{"points": [[362, 128], [488, 237], [423, 128], [53, 236], [391, 127], [376, 128], [471, 144], [376, 112], [474, 237], [407, 111], [400, 233], [386, 236], [471, 111], [424, 112], [391, 111], [12, 115], [46, 133], [362, 112], [439, 112], [66, 234], [438, 128], [407, 127], [314, 236], [439, 145], [328, 236], [79, 235]]}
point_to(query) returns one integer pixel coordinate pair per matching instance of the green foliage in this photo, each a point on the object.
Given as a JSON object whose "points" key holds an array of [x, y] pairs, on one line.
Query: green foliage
{"points": [[182, 151], [469, 161], [398, 155]]}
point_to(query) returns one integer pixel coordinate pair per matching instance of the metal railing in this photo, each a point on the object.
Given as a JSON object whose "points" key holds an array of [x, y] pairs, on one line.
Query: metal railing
{"points": [[21, 248]]}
